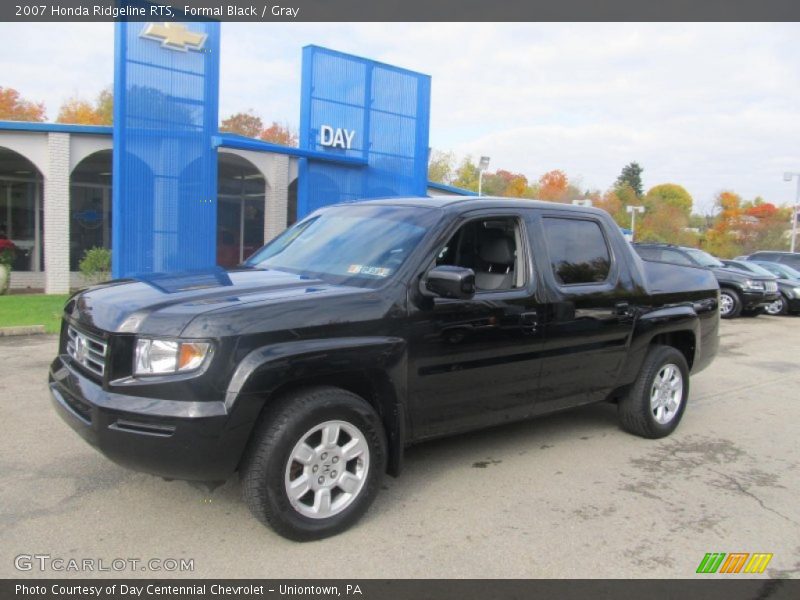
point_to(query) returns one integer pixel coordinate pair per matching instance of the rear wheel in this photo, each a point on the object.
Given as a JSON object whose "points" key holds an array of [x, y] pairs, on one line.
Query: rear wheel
{"points": [[779, 307], [315, 464], [730, 304], [654, 405]]}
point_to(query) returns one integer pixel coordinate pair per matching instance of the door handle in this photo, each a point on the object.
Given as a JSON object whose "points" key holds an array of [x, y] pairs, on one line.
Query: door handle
{"points": [[623, 309], [529, 321]]}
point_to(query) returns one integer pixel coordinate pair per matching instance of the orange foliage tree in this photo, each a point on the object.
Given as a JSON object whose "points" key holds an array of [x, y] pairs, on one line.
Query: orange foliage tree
{"points": [[279, 134], [83, 112], [243, 123], [14, 107], [553, 185]]}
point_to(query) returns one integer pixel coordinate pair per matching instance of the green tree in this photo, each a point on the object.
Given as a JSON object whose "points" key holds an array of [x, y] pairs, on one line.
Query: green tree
{"points": [[631, 175], [467, 174], [440, 166], [669, 194]]}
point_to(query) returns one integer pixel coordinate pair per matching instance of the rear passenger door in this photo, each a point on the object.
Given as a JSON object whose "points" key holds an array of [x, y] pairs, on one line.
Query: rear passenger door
{"points": [[587, 314]]}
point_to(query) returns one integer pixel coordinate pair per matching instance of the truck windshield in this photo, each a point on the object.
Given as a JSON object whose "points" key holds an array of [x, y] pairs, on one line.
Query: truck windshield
{"points": [[703, 258], [354, 244]]}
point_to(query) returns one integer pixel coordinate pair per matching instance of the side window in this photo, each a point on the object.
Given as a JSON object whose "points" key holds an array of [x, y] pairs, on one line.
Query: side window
{"points": [[490, 248], [578, 250], [674, 257]]}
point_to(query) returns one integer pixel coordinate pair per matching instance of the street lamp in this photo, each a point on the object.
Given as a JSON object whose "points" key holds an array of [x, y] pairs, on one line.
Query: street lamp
{"points": [[483, 164], [633, 210], [788, 177]]}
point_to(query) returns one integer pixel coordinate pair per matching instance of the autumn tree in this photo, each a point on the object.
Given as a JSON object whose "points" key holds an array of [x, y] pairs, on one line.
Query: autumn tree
{"points": [[14, 107], [631, 175], [82, 112], [247, 124], [553, 185], [279, 134]]}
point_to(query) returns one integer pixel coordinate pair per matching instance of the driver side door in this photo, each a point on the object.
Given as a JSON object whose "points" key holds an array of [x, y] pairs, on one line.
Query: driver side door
{"points": [[475, 362]]}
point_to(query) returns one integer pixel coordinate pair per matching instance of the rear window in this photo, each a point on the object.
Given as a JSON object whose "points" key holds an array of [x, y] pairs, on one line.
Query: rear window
{"points": [[578, 250]]}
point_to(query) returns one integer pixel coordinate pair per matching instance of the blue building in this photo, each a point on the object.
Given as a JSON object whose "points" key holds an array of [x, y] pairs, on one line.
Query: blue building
{"points": [[165, 190]]}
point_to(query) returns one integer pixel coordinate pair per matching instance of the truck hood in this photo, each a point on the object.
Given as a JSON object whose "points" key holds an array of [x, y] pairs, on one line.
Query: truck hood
{"points": [[164, 304]]}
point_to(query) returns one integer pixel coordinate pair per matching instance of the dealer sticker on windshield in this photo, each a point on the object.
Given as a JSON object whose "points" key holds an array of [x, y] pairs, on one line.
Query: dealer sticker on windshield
{"points": [[367, 270]]}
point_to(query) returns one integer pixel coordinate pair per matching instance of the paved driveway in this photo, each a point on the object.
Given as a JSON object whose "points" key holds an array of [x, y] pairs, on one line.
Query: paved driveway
{"points": [[565, 496]]}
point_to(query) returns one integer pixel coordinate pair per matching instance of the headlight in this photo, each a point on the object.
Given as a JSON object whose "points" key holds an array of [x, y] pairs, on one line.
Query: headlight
{"points": [[162, 357], [753, 285], [796, 292]]}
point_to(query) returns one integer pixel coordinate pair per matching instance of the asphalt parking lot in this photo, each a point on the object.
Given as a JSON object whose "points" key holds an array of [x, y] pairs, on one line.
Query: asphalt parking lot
{"points": [[569, 495]]}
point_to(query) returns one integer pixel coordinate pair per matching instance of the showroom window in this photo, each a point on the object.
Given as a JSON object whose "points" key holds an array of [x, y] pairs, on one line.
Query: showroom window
{"points": [[21, 212]]}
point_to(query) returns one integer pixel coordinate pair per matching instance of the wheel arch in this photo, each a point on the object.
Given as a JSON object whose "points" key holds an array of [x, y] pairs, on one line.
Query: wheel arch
{"points": [[371, 368]]}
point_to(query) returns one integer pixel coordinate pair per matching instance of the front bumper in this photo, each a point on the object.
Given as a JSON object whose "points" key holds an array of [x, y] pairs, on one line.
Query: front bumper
{"points": [[188, 440], [758, 299]]}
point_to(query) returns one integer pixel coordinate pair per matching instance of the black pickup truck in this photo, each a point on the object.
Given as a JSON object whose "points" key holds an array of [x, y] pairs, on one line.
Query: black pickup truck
{"points": [[367, 327]]}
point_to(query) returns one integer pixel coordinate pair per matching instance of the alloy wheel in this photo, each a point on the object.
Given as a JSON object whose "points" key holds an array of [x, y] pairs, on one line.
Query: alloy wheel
{"points": [[666, 394], [327, 469]]}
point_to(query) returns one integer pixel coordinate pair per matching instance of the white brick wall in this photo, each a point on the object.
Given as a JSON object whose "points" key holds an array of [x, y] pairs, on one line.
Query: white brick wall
{"points": [[277, 196], [56, 215]]}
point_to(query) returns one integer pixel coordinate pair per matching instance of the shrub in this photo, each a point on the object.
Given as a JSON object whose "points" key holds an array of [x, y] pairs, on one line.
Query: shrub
{"points": [[7, 257], [96, 265]]}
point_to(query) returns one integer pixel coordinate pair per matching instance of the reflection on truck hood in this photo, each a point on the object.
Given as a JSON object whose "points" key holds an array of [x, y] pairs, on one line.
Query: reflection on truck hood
{"points": [[166, 304]]}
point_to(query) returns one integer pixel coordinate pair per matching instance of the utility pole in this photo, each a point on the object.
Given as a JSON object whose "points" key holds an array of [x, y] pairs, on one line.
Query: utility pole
{"points": [[633, 210]]}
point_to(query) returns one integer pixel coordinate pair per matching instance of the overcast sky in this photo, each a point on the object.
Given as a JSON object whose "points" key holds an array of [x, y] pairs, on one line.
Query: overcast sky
{"points": [[709, 106]]}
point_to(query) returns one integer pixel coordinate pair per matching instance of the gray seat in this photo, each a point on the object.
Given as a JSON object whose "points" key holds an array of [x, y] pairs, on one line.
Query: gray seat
{"points": [[496, 268]]}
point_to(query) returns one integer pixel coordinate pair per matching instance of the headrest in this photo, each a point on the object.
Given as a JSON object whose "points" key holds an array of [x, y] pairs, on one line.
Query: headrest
{"points": [[496, 248]]}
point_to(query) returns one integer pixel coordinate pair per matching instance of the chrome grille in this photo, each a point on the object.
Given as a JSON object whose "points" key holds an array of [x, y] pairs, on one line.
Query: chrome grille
{"points": [[771, 286], [87, 350]]}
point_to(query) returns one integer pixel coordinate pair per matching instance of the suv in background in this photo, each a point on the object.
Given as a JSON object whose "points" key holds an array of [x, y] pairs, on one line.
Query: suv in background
{"points": [[740, 292], [791, 259], [788, 283]]}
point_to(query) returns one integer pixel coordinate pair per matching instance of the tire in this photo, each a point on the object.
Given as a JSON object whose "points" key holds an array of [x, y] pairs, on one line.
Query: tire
{"points": [[730, 304], [779, 307], [270, 468], [639, 410]]}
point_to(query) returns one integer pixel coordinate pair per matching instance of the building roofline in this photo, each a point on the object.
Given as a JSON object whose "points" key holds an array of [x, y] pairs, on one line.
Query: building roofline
{"points": [[451, 188], [55, 127]]}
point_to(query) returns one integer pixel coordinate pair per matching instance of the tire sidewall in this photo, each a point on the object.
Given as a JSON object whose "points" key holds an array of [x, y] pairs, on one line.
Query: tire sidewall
{"points": [[298, 526]]}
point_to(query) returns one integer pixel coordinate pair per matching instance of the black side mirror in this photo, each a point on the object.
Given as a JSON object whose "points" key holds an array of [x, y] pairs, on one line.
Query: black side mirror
{"points": [[451, 282]]}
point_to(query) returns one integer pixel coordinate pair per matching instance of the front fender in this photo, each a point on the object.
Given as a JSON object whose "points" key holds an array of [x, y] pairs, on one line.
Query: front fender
{"points": [[379, 360]]}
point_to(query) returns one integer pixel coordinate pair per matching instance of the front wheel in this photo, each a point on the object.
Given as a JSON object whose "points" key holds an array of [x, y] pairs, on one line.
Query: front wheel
{"points": [[779, 307], [315, 464], [654, 405], [730, 304]]}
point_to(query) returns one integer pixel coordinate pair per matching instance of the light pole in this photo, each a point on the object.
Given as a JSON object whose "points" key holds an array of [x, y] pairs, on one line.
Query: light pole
{"points": [[483, 164], [788, 177], [633, 210]]}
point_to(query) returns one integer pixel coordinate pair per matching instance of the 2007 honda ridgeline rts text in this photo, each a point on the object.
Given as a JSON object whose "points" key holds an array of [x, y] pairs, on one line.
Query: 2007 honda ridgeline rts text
{"points": [[367, 327]]}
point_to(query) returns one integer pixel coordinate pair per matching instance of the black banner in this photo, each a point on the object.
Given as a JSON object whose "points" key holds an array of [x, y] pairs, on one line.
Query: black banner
{"points": [[733, 588], [402, 10]]}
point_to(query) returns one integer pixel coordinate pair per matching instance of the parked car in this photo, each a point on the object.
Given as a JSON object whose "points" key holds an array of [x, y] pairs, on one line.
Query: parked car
{"points": [[740, 292], [788, 283], [785, 287], [791, 259], [370, 326]]}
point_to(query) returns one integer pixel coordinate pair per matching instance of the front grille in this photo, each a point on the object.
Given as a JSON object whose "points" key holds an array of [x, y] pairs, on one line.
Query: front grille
{"points": [[771, 286], [87, 350]]}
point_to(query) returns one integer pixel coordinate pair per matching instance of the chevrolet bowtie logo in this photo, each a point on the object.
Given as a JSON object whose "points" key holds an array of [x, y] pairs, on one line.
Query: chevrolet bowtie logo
{"points": [[175, 36]]}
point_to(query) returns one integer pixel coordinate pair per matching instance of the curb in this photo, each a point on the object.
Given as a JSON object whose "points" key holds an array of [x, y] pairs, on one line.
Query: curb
{"points": [[22, 330]]}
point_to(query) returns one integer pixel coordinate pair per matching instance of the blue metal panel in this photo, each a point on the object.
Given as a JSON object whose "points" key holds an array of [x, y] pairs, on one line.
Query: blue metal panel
{"points": [[386, 110], [54, 127], [165, 162]]}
